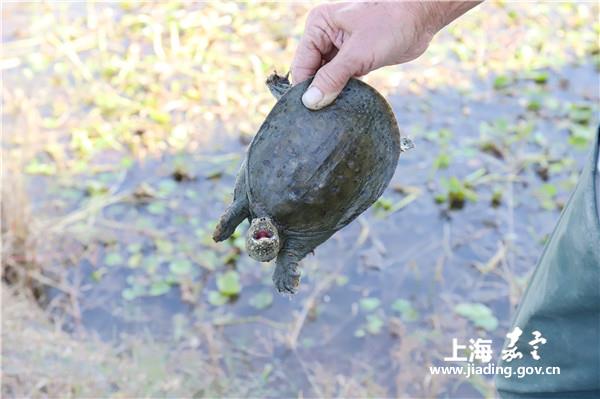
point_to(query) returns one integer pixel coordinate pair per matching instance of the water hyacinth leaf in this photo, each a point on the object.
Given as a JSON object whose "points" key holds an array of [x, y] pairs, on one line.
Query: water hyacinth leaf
{"points": [[133, 292], [374, 324], [180, 266], [36, 167], [208, 259], [96, 188], [548, 190], [442, 161], [158, 288], [157, 208], [239, 243], [406, 310], [216, 298], [478, 314], [359, 333], [539, 77], [262, 300], [113, 258], [581, 113], [159, 116], [164, 246], [341, 280], [383, 203], [128, 294], [229, 283], [98, 274], [135, 260], [369, 304], [501, 82], [166, 187], [580, 136], [151, 263], [134, 247]]}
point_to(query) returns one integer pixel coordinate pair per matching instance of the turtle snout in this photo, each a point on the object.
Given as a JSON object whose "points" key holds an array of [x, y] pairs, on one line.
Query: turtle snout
{"points": [[262, 240]]}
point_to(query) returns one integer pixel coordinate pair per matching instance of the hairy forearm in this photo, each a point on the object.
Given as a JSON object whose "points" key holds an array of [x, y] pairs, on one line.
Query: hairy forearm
{"points": [[440, 13]]}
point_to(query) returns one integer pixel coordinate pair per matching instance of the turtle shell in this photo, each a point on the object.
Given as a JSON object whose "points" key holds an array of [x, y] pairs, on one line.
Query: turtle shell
{"points": [[315, 171]]}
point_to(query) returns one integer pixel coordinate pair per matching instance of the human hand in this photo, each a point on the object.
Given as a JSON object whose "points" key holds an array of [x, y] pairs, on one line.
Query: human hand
{"points": [[343, 40]]}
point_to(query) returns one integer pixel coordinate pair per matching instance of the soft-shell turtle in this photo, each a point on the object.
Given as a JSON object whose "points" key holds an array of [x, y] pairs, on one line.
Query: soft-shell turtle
{"points": [[309, 173]]}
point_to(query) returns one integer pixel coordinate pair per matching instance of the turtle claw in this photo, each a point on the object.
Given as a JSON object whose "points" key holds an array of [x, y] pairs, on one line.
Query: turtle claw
{"points": [[286, 279], [406, 144]]}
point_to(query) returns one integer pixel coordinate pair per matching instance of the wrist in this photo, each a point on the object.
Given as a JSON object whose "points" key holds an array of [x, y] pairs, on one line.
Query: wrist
{"points": [[437, 14]]}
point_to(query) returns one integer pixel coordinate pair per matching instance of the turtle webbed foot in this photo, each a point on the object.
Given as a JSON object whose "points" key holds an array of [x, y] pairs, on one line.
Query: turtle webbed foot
{"points": [[286, 277]]}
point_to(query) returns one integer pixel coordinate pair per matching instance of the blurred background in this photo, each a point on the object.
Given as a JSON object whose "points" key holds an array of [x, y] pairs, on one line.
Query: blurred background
{"points": [[123, 126]]}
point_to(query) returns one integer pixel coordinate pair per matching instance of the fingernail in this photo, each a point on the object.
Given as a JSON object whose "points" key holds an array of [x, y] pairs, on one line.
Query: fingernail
{"points": [[312, 97]]}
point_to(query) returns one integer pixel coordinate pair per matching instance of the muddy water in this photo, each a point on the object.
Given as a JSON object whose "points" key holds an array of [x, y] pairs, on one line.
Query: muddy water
{"points": [[423, 253]]}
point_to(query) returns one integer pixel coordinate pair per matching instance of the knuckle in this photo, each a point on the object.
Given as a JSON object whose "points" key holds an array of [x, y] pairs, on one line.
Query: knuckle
{"points": [[315, 14]]}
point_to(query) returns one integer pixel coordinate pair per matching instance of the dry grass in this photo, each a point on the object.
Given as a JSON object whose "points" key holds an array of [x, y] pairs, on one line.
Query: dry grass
{"points": [[18, 242], [41, 360]]}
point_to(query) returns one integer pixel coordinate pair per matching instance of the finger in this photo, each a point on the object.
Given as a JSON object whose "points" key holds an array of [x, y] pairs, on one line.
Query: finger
{"points": [[331, 79], [313, 45]]}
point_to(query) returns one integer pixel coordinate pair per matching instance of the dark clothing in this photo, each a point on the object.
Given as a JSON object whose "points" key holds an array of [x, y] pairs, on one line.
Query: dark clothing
{"points": [[562, 302]]}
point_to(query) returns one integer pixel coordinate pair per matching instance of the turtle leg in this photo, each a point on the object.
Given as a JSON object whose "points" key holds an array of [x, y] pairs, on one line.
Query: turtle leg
{"points": [[233, 216], [286, 276], [237, 211]]}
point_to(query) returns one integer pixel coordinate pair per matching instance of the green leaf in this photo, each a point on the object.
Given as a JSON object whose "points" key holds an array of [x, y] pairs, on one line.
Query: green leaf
{"points": [[383, 203], [208, 259], [369, 304], [113, 259], [98, 274], [229, 283], [166, 187], [180, 266], [534, 104], [262, 300], [35, 167], [164, 246], [342, 280], [135, 260], [159, 116], [479, 314], [539, 77], [581, 113], [406, 310], [374, 324], [216, 298], [135, 291], [96, 188], [129, 294], [159, 288], [548, 190], [134, 247], [442, 161], [501, 82], [157, 208]]}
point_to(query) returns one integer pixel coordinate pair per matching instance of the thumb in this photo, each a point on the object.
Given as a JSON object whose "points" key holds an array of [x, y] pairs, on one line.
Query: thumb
{"points": [[329, 81]]}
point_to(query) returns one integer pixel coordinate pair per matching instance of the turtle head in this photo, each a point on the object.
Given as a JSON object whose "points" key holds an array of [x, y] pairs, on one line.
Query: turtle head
{"points": [[262, 240]]}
